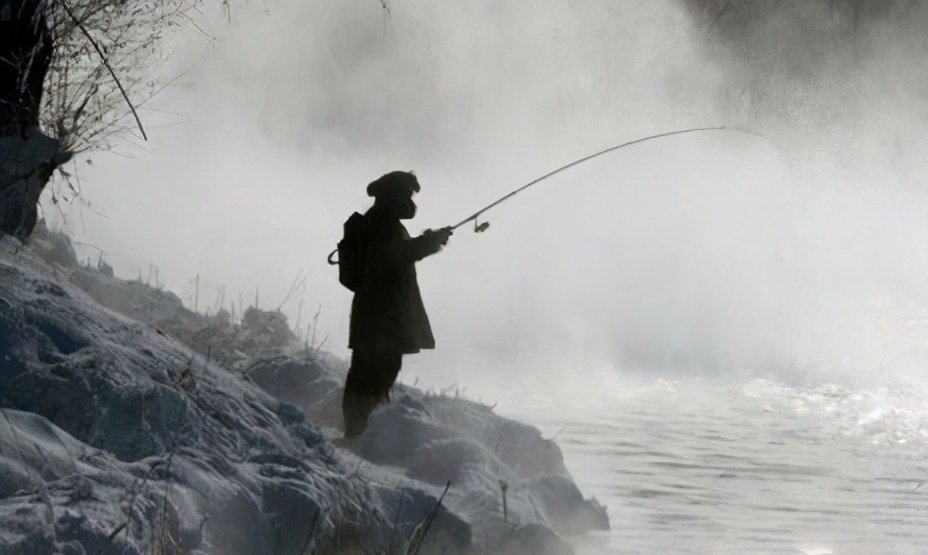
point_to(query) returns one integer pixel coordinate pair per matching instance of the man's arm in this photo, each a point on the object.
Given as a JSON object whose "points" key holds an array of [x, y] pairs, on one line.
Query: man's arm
{"points": [[402, 252]]}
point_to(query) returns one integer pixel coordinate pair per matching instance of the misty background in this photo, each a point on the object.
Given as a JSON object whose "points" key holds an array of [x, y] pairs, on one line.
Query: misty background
{"points": [[797, 255]]}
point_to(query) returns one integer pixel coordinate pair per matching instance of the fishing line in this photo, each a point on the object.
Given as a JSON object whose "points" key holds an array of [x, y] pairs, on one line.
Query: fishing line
{"points": [[481, 227]]}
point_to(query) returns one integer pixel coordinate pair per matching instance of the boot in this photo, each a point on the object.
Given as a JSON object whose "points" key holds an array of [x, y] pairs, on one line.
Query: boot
{"points": [[355, 410]]}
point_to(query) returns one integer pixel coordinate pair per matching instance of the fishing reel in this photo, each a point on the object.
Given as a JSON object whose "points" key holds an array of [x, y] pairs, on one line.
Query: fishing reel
{"points": [[480, 227]]}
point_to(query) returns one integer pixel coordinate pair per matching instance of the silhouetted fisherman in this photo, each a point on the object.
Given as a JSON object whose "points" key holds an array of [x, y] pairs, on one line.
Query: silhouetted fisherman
{"points": [[388, 319]]}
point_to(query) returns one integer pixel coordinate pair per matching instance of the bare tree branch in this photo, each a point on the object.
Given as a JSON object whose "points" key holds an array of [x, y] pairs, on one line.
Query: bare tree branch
{"points": [[107, 64]]}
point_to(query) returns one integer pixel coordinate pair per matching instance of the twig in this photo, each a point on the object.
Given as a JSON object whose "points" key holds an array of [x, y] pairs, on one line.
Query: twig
{"points": [[261, 361], [319, 348], [164, 504], [107, 64], [309, 535], [428, 522], [293, 287], [112, 535], [198, 28], [136, 487], [396, 521], [316, 324], [504, 487]]}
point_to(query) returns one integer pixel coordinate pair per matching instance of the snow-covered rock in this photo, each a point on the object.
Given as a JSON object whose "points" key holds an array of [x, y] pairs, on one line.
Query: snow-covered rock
{"points": [[117, 437]]}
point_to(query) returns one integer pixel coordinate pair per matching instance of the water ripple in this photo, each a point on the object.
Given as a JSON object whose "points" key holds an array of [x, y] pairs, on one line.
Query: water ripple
{"points": [[759, 469]]}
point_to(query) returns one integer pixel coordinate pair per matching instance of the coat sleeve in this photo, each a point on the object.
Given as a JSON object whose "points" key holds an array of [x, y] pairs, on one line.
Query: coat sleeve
{"points": [[395, 250]]}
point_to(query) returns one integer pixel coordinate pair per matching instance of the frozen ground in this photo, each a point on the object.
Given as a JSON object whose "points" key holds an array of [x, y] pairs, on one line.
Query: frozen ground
{"points": [[166, 432]]}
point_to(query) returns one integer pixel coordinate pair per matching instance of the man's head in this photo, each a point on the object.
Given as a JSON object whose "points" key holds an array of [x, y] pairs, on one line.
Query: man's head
{"points": [[394, 191]]}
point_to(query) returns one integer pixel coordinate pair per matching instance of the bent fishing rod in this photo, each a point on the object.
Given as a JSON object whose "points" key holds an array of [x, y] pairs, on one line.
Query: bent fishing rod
{"points": [[481, 227]]}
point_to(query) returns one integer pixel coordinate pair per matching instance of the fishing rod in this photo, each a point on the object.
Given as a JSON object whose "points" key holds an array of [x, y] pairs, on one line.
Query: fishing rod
{"points": [[479, 228]]}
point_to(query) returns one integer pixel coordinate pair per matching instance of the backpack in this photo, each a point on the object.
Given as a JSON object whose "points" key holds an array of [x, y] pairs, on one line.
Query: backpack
{"points": [[352, 252]]}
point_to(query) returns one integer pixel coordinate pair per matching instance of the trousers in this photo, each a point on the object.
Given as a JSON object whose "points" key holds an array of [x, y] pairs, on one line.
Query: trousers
{"points": [[371, 375]]}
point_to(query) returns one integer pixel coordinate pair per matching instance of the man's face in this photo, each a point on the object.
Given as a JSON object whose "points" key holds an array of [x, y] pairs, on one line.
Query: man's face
{"points": [[402, 206], [407, 208]]}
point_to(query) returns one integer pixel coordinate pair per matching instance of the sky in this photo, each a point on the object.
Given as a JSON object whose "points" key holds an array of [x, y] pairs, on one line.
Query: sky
{"points": [[788, 247]]}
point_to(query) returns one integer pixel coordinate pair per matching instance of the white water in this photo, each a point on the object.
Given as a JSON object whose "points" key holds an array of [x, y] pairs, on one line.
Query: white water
{"points": [[699, 467]]}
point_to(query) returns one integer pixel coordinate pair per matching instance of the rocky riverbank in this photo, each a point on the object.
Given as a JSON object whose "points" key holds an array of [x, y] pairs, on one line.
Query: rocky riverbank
{"points": [[133, 425]]}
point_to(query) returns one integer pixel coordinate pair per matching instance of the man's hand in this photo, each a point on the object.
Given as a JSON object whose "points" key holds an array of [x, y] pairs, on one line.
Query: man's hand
{"points": [[439, 237], [444, 233]]}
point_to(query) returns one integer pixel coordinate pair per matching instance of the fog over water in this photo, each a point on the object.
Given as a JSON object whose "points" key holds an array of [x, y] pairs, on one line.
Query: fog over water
{"points": [[796, 256]]}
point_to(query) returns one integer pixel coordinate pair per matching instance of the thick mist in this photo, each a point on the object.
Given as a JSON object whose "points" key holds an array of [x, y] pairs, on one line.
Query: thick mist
{"points": [[838, 80], [799, 256]]}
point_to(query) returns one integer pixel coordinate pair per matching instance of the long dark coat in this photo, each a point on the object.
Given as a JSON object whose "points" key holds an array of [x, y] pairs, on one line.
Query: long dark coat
{"points": [[387, 313]]}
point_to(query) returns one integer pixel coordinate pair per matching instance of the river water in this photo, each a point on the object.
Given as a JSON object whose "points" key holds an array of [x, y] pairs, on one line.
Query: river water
{"points": [[704, 467]]}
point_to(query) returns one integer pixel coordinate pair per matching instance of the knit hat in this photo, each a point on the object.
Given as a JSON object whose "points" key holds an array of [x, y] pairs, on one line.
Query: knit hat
{"points": [[396, 183]]}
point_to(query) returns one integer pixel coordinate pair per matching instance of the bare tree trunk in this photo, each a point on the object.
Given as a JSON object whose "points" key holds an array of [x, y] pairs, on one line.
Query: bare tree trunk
{"points": [[26, 165], [27, 158], [25, 54]]}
